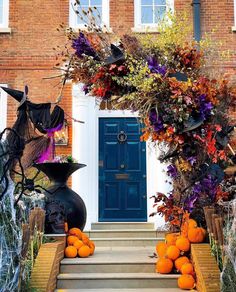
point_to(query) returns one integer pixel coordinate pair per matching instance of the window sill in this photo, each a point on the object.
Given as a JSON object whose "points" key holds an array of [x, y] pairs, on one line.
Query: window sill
{"points": [[5, 30], [234, 28], [85, 29], [145, 29]]}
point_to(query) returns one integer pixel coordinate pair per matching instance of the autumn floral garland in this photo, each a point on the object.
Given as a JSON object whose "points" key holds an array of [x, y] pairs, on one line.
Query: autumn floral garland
{"points": [[181, 109]]}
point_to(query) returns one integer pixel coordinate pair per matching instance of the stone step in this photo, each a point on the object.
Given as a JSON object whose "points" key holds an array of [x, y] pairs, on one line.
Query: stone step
{"points": [[122, 290], [122, 225], [115, 280], [107, 268], [124, 233], [134, 242], [113, 260]]}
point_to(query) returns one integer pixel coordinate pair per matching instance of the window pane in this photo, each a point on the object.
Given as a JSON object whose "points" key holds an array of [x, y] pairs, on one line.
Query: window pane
{"points": [[80, 9], [160, 2], [146, 2], [96, 2], [97, 13], [159, 13], [84, 2], [147, 14], [1, 11]]}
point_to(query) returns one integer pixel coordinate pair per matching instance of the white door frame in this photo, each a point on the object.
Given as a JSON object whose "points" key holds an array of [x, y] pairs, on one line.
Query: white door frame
{"points": [[85, 147]]}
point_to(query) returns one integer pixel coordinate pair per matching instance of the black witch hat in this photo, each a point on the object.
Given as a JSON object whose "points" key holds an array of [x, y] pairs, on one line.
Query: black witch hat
{"points": [[17, 94], [116, 56]]}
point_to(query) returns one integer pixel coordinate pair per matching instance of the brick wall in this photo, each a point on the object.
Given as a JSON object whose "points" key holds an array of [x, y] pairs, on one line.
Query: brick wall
{"points": [[27, 55]]}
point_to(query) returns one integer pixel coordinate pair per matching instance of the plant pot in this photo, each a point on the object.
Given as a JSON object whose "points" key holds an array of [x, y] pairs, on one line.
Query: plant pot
{"points": [[61, 203]]}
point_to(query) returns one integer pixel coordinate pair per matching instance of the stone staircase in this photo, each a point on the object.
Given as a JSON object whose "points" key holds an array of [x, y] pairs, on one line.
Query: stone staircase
{"points": [[121, 262]]}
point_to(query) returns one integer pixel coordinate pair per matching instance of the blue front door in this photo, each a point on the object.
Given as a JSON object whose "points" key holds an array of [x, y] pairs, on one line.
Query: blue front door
{"points": [[122, 171]]}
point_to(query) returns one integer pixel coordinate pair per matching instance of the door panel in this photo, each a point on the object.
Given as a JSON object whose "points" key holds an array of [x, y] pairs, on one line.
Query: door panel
{"points": [[122, 171]]}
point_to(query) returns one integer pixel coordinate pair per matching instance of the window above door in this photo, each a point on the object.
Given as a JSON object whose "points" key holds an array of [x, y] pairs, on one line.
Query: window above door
{"points": [[4, 16], [3, 108], [101, 13], [148, 13]]}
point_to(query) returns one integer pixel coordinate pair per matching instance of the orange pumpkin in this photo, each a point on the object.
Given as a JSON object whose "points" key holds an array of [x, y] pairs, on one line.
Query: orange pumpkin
{"points": [[161, 248], [76, 232], [70, 252], [187, 269], [71, 239], [164, 266], [192, 223], [171, 238], [183, 243], [78, 243], [92, 247], [195, 235], [84, 251], [172, 252], [85, 238], [181, 261], [204, 232], [186, 282]]}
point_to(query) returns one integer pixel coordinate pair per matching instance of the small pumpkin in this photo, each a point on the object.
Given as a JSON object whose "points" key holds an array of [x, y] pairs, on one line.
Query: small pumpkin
{"points": [[192, 223], [172, 252], [195, 235], [85, 238], [78, 243], [186, 282], [171, 238], [187, 269], [180, 261], [92, 247], [164, 266], [76, 232], [161, 248], [84, 251], [183, 243], [70, 252], [71, 239]]}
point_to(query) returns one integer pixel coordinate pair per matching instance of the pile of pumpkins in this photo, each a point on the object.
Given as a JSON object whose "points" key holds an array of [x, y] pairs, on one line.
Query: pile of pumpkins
{"points": [[173, 253], [78, 244]]}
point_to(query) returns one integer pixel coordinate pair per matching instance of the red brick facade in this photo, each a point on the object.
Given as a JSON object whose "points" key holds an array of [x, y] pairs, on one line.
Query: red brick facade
{"points": [[27, 55]]}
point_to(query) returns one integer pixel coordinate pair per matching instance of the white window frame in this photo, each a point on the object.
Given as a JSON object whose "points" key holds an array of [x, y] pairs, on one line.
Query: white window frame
{"points": [[105, 15], [234, 26], [138, 26], [5, 14], [3, 108]]}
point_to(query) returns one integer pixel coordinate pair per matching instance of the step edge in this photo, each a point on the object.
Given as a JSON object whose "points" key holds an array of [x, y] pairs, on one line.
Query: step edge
{"points": [[75, 276]]}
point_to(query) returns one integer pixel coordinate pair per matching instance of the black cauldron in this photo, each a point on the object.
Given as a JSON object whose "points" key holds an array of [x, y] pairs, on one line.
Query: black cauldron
{"points": [[61, 203]]}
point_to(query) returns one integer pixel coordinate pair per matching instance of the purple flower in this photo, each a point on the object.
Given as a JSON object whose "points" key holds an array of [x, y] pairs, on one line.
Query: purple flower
{"points": [[204, 107], [172, 171], [155, 120], [155, 67], [192, 160], [86, 89], [83, 47]]}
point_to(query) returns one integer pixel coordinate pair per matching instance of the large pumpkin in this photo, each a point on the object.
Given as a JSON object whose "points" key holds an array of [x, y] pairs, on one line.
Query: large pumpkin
{"points": [[195, 235], [172, 252], [186, 282], [164, 266], [183, 243]]}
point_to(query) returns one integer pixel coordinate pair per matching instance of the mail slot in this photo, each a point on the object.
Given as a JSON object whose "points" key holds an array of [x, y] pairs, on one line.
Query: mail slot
{"points": [[122, 176]]}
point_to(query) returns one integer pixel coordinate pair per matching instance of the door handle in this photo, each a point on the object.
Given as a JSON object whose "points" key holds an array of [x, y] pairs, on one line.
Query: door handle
{"points": [[122, 166], [144, 197]]}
